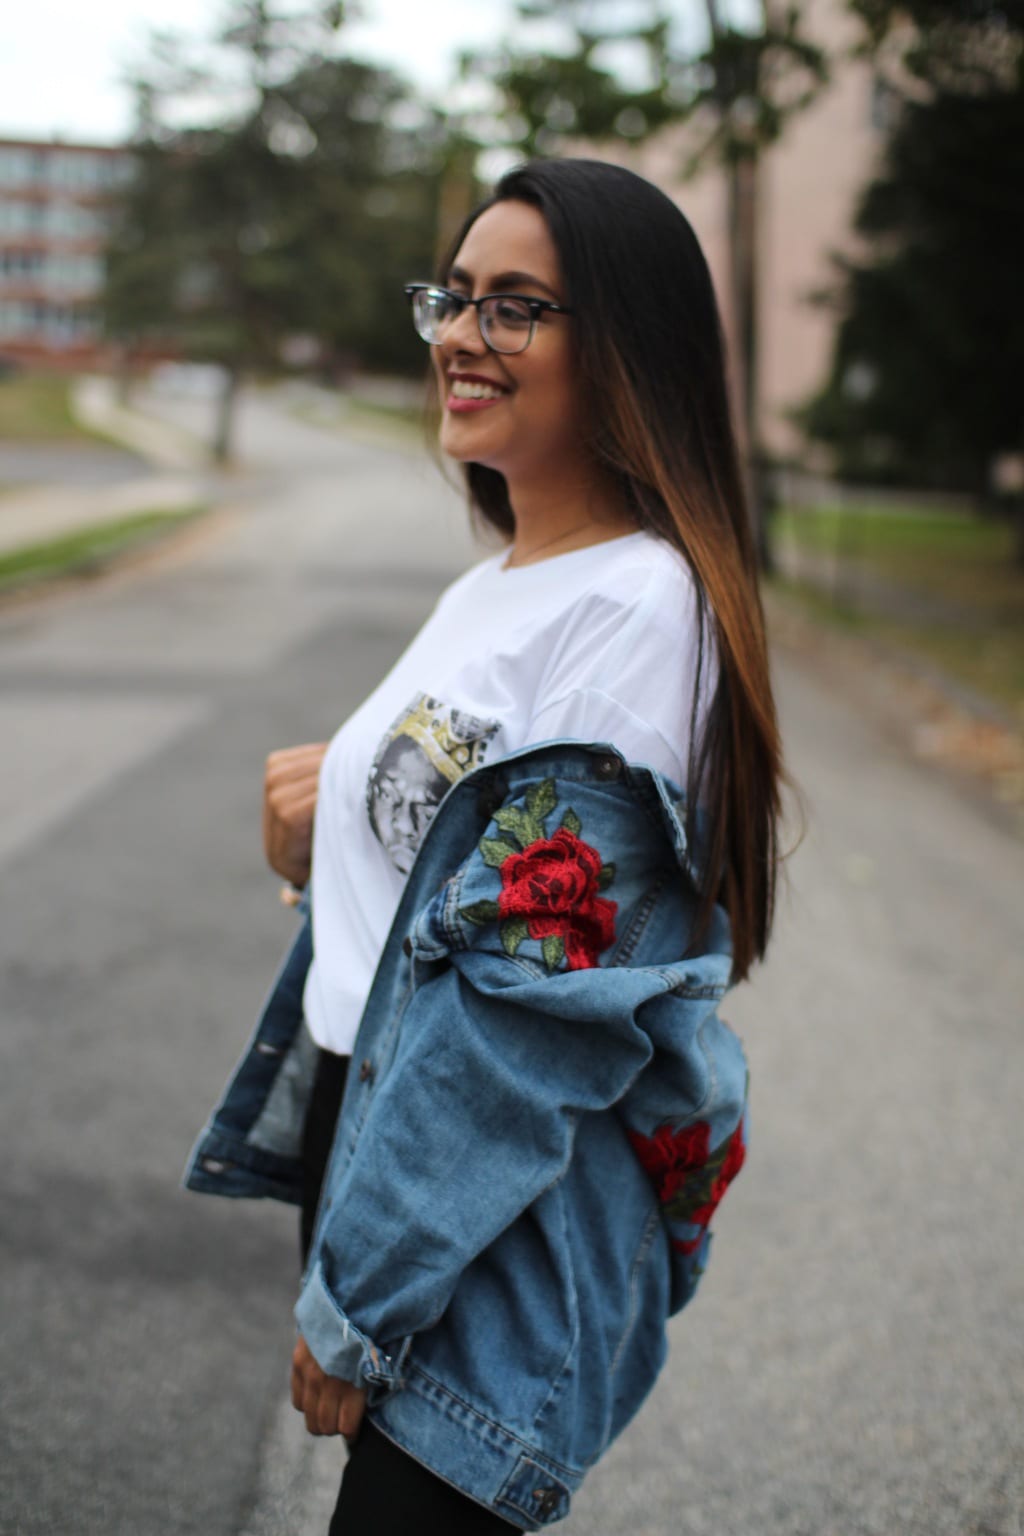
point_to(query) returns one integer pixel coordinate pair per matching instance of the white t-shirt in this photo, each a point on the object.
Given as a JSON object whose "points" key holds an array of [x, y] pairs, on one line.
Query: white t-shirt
{"points": [[599, 644]]}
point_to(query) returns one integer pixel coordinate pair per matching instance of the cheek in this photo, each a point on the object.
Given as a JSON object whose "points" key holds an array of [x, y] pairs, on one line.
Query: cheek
{"points": [[555, 399]]}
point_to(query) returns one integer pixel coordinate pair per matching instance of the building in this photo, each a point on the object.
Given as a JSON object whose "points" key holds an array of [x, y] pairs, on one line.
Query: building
{"points": [[56, 203]]}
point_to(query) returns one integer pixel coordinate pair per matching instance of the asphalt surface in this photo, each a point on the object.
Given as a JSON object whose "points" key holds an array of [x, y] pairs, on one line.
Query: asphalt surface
{"points": [[64, 464], [855, 1362]]}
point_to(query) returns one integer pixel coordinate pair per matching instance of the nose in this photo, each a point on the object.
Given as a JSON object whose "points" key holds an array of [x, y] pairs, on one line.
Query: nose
{"points": [[463, 333]]}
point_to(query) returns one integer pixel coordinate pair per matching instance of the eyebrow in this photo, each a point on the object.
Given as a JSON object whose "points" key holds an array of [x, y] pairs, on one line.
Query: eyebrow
{"points": [[503, 281]]}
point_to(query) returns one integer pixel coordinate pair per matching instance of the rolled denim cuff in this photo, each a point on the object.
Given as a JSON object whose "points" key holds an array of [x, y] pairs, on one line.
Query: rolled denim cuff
{"points": [[340, 1348]]}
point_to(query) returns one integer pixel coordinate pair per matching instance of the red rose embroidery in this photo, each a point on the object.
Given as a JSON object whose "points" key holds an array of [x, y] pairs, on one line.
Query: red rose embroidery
{"points": [[670, 1157], [549, 885], [689, 1178], [554, 885]]}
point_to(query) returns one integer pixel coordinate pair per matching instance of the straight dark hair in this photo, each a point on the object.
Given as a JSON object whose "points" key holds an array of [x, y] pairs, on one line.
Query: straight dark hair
{"points": [[652, 364]]}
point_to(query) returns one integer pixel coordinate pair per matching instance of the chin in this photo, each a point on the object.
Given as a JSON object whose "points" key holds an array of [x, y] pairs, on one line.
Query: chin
{"points": [[461, 446]]}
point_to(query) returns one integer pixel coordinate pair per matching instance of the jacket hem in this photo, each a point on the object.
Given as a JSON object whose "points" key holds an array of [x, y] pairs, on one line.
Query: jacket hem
{"points": [[474, 1453], [221, 1164]]}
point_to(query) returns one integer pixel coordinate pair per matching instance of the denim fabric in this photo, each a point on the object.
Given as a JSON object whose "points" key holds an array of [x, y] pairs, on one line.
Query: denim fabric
{"points": [[491, 1259]]}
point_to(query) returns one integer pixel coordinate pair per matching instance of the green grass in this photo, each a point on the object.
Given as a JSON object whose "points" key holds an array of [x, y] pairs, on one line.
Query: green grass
{"points": [[89, 550], [962, 566], [36, 408], [950, 553]]}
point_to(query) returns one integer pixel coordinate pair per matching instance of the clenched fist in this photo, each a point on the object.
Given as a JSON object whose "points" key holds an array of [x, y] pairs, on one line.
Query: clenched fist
{"points": [[329, 1405], [289, 801]]}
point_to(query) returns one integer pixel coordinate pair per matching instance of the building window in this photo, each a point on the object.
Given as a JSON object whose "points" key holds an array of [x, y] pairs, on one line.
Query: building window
{"points": [[15, 167], [21, 263], [16, 218]]}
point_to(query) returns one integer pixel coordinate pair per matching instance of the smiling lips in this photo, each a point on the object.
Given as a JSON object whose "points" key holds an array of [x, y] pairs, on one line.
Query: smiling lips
{"points": [[472, 392]]}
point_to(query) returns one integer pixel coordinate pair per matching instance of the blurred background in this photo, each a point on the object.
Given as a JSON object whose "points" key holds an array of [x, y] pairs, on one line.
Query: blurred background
{"points": [[220, 523]]}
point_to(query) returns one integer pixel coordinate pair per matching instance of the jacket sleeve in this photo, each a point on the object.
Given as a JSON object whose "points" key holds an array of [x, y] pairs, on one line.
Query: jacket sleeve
{"points": [[523, 1014]]}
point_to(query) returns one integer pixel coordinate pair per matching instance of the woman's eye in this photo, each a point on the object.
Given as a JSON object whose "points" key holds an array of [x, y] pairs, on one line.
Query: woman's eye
{"points": [[512, 312]]}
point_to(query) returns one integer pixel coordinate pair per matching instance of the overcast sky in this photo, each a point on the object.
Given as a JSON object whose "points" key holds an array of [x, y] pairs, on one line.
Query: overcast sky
{"points": [[61, 60]]}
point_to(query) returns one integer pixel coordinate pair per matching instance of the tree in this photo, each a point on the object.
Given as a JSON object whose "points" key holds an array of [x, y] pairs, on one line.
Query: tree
{"points": [[738, 86], [924, 386], [298, 209]]}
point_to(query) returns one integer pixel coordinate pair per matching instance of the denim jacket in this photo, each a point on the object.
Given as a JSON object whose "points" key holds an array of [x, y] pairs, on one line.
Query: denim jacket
{"points": [[544, 1110]]}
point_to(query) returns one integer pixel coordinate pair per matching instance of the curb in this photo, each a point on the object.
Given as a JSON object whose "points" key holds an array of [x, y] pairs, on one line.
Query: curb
{"points": [[95, 405]]}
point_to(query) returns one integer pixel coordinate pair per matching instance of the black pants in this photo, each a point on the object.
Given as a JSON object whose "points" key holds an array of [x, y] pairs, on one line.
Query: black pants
{"points": [[384, 1491]]}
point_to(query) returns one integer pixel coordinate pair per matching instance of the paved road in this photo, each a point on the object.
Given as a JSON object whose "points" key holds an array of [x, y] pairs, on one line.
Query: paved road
{"points": [[64, 464], [856, 1362]]}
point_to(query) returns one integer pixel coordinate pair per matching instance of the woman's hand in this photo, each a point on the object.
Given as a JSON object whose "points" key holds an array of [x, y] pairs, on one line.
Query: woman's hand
{"points": [[289, 801], [330, 1406]]}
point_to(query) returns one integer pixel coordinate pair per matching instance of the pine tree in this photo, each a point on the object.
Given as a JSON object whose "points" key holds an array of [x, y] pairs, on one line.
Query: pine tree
{"points": [[298, 205]]}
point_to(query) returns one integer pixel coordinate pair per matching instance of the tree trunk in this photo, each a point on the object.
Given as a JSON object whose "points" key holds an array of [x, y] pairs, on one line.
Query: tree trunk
{"points": [[123, 374], [455, 200], [743, 184], [225, 426]]}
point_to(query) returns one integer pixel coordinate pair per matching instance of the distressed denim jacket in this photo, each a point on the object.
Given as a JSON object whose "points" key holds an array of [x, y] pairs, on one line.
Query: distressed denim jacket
{"points": [[544, 1110]]}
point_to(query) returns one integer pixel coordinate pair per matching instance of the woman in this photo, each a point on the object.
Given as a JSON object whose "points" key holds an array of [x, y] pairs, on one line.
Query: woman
{"points": [[543, 848]]}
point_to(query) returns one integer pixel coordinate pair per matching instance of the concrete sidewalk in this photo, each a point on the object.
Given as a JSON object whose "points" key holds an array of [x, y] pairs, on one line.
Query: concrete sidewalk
{"points": [[182, 476]]}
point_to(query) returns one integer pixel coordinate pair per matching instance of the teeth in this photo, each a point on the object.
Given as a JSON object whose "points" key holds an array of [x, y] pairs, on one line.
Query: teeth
{"points": [[464, 389]]}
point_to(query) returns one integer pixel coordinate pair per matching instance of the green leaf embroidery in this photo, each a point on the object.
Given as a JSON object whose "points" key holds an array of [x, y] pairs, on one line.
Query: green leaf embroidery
{"points": [[694, 1194], [698, 1187], [553, 950], [495, 850], [512, 934], [605, 876], [572, 823], [541, 799], [511, 819], [481, 912]]}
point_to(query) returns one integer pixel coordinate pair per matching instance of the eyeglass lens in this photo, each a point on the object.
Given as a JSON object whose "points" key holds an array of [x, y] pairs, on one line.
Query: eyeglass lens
{"points": [[505, 324]]}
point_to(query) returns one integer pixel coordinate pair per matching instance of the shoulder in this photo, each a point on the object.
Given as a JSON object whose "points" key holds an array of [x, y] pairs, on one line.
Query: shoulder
{"points": [[645, 566], [566, 845], [645, 599], [639, 617], [631, 660]]}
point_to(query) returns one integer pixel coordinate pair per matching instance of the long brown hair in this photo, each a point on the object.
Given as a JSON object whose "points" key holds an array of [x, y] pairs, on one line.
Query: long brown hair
{"points": [[652, 360]]}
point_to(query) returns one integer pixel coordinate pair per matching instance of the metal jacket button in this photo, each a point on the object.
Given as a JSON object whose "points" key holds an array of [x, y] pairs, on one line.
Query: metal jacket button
{"points": [[367, 1071], [407, 945], [607, 767]]}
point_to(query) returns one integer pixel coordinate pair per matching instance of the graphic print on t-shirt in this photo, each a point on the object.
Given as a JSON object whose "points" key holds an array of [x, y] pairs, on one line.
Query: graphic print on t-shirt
{"points": [[425, 750]]}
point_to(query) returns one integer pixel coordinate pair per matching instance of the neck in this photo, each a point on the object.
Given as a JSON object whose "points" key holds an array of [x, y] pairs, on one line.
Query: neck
{"points": [[554, 516]]}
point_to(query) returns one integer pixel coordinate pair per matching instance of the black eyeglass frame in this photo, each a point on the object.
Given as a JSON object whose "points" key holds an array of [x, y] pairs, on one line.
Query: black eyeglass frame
{"points": [[536, 308]]}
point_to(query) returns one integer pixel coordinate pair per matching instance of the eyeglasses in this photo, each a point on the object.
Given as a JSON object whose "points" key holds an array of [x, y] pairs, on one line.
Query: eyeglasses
{"points": [[507, 320]]}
